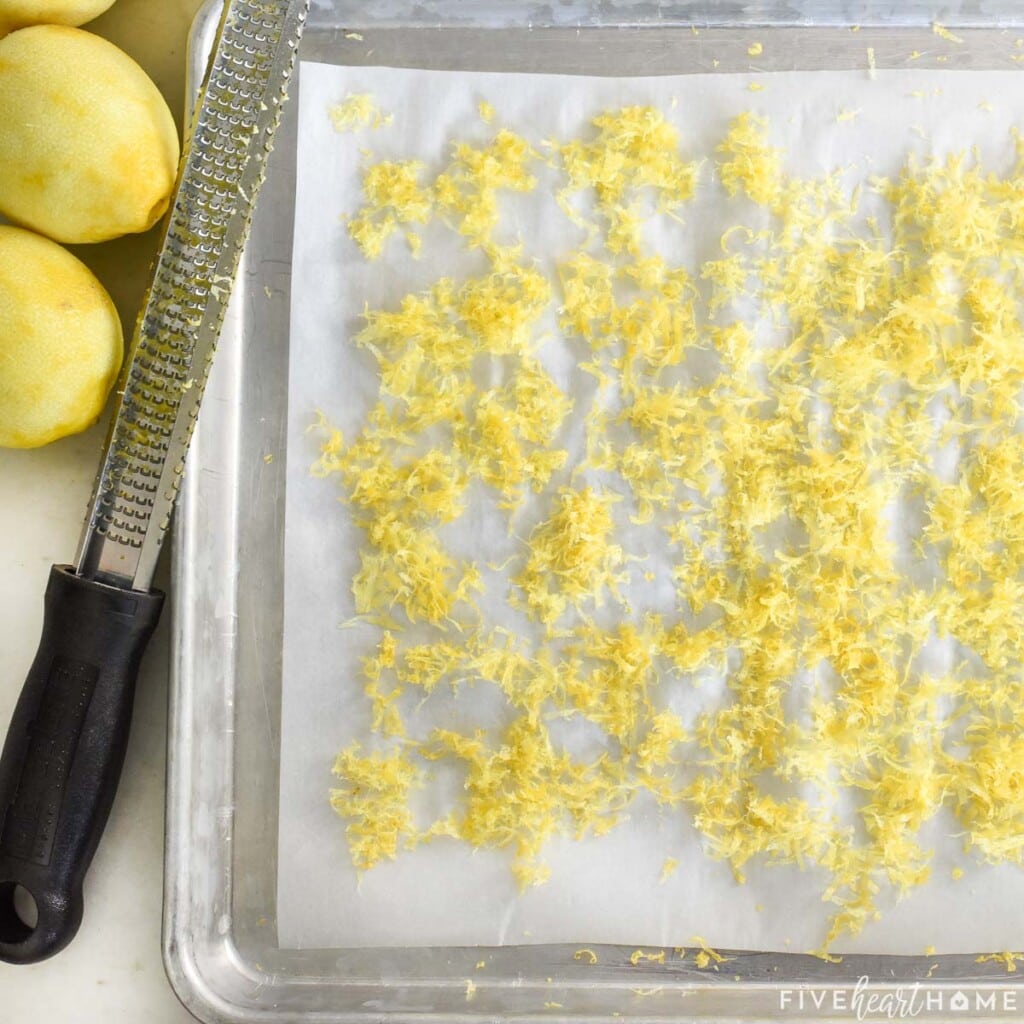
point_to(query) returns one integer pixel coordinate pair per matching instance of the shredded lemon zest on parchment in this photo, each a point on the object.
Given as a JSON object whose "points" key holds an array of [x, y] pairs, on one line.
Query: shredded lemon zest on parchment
{"points": [[356, 111], [767, 452]]}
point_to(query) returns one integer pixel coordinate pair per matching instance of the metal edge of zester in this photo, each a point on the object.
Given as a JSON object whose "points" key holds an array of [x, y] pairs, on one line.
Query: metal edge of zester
{"points": [[66, 741]]}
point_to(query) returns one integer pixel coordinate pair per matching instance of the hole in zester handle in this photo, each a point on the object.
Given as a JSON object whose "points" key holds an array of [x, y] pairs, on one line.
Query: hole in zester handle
{"points": [[19, 914]]}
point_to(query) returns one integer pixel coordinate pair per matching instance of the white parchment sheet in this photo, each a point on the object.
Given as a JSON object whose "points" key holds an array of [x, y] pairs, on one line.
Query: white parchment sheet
{"points": [[607, 889]]}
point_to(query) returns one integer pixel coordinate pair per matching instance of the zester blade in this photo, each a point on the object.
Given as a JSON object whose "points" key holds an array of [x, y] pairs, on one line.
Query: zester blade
{"points": [[172, 348]]}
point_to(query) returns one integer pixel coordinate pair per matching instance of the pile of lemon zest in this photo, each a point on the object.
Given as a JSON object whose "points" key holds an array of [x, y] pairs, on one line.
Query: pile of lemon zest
{"points": [[755, 49], [523, 792], [635, 149], [407, 567], [467, 191], [657, 748], [728, 277], [393, 196], [750, 166], [356, 111], [572, 560], [500, 309], [374, 799], [614, 695]]}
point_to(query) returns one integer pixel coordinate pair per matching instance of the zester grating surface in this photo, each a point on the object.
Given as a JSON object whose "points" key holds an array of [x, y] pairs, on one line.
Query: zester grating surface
{"points": [[177, 331]]}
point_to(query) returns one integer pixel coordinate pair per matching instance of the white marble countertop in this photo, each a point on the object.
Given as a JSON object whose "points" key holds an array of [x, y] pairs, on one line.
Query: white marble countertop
{"points": [[113, 971]]}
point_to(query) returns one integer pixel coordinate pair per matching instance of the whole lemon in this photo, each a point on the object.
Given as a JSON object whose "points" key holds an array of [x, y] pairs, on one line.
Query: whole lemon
{"points": [[60, 342], [88, 149], [19, 13]]}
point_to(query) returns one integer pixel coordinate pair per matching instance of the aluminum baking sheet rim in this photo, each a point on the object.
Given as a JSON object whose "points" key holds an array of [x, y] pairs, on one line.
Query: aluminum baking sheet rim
{"points": [[199, 939]]}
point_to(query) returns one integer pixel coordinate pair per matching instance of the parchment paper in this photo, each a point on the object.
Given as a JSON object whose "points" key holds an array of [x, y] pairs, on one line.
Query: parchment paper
{"points": [[603, 890]]}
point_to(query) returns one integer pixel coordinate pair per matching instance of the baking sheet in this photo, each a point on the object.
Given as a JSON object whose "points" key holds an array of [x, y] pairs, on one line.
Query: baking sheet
{"points": [[604, 890]]}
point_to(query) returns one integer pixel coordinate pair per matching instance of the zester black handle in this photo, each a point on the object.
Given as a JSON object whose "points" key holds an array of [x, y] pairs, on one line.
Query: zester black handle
{"points": [[63, 755]]}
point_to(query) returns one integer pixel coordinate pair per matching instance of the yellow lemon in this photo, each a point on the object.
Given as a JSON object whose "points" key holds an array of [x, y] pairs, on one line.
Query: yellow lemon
{"points": [[88, 148], [19, 13], [60, 342]]}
